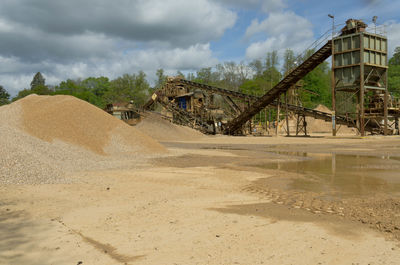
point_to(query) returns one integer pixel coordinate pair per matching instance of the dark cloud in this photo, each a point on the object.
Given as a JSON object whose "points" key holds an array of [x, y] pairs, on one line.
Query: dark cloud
{"points": [[74, 38], [182, 23], [33, 46]]}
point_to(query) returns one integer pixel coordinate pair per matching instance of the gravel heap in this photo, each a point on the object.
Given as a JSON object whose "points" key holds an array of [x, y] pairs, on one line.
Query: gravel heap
{"points": [[315, 125], [320, 126], [46, 138], [163, 130]]}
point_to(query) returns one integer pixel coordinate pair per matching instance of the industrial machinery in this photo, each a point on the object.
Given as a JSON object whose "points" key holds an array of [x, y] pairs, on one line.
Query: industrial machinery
{"points": [[360, 96], [359, 70], [124, 111], [190, 107]]}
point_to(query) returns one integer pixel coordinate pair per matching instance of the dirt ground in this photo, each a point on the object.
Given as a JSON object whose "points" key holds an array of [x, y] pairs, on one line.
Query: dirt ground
{"points": [[217, 200]]}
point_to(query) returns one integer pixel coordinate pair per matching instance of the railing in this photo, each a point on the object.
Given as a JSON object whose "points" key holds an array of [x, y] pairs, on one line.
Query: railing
{"points": [[316, 45], [377, 30]]}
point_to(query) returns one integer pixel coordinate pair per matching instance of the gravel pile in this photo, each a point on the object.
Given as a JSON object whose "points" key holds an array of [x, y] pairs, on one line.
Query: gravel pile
{"points": [[43, 139], [163, 130], [315, 125], [320, 126]]}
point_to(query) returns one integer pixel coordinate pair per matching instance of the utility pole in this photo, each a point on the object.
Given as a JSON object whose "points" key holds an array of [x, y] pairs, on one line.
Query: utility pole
{"points": [[333, 83], [277, 115]]}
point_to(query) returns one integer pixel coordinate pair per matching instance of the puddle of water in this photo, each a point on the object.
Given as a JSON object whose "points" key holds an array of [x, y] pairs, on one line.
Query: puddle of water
{"points": [[341, 174]]}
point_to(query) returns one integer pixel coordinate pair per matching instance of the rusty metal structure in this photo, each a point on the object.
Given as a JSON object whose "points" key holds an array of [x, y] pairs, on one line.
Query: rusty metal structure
{"points": [[282, 87], [360, 65], [188, 106], [360, 95], [175, 88], [360, 82], [125, 111]]}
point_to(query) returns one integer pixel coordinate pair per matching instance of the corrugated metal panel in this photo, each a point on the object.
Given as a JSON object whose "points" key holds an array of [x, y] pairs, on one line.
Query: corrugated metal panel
{"points": [[384, 45], [338, 45], [378, 44], [347, 43], [348, 76], [348, 56], [356, 42], [356, 57], [366, 41]]}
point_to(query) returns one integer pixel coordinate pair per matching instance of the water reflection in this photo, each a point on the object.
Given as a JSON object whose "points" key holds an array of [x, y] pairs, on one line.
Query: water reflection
{"points": [[342, 174]]}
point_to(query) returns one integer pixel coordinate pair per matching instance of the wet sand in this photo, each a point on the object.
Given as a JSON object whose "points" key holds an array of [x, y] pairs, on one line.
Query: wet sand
{"points": [[221, 200]]}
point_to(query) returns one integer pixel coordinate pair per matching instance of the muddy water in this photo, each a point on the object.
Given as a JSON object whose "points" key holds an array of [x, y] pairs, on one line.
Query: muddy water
{"points": [[338, 174], [364, 189]]}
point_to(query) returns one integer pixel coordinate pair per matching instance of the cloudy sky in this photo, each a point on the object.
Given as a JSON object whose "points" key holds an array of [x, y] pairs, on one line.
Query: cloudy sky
{"points": [[80, 38]]}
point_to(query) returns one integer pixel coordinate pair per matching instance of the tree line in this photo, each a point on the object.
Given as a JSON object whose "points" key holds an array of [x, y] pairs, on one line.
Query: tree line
{"points": [[255, 78]]}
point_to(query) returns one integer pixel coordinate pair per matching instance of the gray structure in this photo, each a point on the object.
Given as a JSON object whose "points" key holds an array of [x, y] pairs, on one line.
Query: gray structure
{"points": [[360, 66]]}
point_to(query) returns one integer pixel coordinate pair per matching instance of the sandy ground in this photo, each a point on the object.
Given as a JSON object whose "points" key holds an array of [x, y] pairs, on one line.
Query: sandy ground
{"points": [[200, 205]]}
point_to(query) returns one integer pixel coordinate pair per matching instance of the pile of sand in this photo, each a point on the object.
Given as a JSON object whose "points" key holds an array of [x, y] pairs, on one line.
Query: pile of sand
{"points": [[157, 127], [316, 125], [45, 137], [321, 126]]}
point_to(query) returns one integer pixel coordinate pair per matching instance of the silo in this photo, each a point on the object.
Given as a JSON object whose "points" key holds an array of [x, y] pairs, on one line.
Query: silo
{"points": [[360, 66]]}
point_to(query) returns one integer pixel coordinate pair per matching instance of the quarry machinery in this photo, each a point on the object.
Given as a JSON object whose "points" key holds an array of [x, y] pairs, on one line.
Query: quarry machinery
{"points": [[360, 96], [359, 67], [180, 83]]}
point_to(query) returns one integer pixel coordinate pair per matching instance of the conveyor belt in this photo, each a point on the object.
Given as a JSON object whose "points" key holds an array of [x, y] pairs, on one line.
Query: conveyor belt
{"points": [[293, 108], [292, 78]]}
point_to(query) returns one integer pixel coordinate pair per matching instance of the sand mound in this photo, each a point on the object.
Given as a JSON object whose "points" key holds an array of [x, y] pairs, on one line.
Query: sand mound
{"points": [[45, 137], [75, 121], [316, 125], [163, 130], [320, 126], [323, 108]]}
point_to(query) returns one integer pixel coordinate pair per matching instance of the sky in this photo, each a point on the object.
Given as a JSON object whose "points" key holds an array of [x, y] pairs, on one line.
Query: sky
{"points": [[81, 38]]}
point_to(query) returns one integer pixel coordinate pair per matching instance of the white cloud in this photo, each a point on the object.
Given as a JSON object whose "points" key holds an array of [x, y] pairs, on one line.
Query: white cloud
{"points": [[393, 32], [77, 39], [148, 60], [264, 5], [282, 30], [273, 5]]}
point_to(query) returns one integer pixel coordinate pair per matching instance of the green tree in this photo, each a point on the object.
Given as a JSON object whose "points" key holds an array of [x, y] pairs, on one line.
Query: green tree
{"points": [[129, 87], [395, 60], [4, 96], [22, 93], [97, 85], [258, 67], [256, 87], [317, 87], [394, 73], [232, 75], [180, 74], [190, 77], [272, 60], [288, 61], [161, 78], [69, 87], [38, 80], [207, 76]]}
